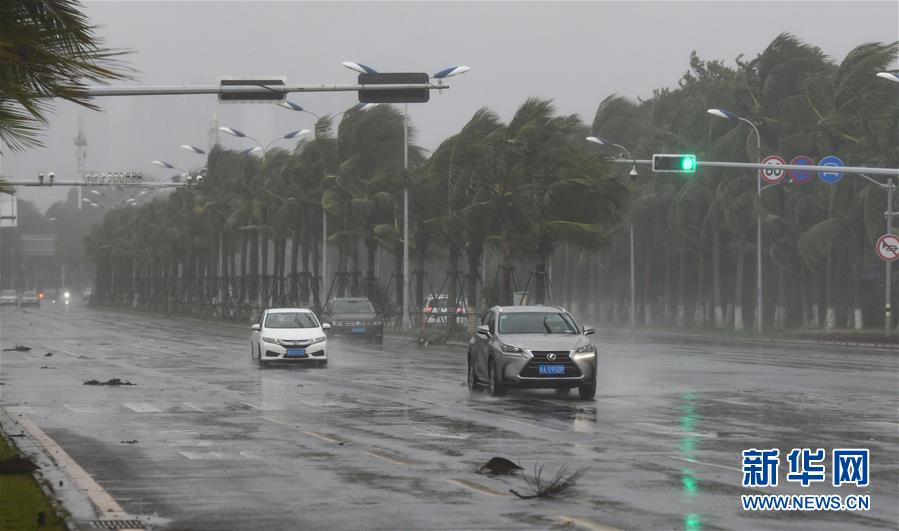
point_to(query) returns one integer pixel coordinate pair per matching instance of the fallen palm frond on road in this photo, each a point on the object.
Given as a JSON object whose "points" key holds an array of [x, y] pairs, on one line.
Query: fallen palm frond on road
{"points": [[560, 485]]}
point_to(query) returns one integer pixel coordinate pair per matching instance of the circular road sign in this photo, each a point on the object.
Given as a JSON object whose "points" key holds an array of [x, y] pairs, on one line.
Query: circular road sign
{"points": [[801, 176], [830, 177], [888, 247], [772, 175]]}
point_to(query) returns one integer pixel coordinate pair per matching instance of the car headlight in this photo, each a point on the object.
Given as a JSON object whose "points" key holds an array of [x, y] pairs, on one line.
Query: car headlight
{"points": [[271, 340], [318, 340], [585, 349], [510, 349]]}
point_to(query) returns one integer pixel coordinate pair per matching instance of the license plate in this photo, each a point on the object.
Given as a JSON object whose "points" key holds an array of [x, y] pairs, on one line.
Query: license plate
{"points": [[296, 353], [551, 370], [358, 329]]}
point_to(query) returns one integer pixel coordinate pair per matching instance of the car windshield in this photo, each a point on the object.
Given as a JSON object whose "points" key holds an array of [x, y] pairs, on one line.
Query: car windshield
{"points": [[8, 292], [361, 306], [31, 294], [536, 323], [291, 320]]}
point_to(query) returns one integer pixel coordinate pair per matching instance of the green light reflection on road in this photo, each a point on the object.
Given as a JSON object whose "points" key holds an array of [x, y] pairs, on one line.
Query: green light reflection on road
{"points": [[687, 448]]}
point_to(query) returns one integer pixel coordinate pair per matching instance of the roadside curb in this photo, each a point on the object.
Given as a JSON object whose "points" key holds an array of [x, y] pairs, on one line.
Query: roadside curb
{"points": [[890, 347]]}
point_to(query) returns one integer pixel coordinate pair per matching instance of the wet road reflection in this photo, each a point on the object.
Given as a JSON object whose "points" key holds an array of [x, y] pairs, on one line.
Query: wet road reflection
{"points": [[390, 437]]}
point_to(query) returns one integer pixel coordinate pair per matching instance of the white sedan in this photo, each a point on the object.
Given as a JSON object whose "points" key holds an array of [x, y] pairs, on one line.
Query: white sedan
{"points": [[289, 334]]}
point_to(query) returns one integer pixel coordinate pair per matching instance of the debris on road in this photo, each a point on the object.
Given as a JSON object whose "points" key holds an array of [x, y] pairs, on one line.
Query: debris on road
{"points": [[112, 381], [499, 466], [132, 441], [17, 465], [18, 348], [47, 355], [557, 487]]}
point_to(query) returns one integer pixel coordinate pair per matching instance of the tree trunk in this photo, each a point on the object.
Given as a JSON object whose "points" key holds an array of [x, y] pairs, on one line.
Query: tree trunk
{"points": [[738, 288], [831, 320], [716, 280], [505, 249], [699, 307], [682, 286]]}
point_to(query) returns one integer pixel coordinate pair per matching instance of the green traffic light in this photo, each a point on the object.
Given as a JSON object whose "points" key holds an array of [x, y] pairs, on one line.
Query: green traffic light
{"points": [[688, 163]]}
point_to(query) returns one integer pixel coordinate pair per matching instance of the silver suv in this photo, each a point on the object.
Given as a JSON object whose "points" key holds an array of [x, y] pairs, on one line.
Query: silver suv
{"points": [[531, 346]]}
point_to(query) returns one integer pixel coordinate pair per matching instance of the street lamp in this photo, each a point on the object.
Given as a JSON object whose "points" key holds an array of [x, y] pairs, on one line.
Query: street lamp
{"points": [[169, 166], [440, 75], [727, 115], [889, 76], [633, 176], [193, 149], [240, 134]]}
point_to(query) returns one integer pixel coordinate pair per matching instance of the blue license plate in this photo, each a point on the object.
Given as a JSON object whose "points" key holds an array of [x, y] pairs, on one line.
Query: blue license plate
{"points": [[358, 329], [296, 353], [550, 370]]}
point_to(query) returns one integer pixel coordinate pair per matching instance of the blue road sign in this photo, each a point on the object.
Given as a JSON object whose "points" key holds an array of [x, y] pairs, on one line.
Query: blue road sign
{"points": [[801, 176], [830, 177]]}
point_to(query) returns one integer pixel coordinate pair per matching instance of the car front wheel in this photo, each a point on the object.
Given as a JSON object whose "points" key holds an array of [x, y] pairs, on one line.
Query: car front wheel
{"points": [[496, 387], [587, 391], [472, 377]]}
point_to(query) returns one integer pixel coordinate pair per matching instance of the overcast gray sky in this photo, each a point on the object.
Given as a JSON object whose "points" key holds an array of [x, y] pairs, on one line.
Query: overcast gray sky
{"points": [[576, 53]]}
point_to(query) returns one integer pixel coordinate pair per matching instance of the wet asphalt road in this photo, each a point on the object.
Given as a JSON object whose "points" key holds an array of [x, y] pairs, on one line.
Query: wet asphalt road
{"points": [[389, 438]]}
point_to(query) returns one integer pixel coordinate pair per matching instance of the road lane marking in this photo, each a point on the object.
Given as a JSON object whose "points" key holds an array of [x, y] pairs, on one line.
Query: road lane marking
{"points": [[142, 407], [80, 409], [389, 458], [249, 454], [661, 429], [583, 523], [64, 351], [101, 499], [322, 437], [458, 436], [188, 404], [264, 406], [204, 455], [477, 487], [270, 419], [695, 462], [189, 442]]}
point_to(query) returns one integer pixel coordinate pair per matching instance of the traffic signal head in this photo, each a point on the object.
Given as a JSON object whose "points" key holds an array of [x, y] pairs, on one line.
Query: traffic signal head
{"points": [[674, 163]]}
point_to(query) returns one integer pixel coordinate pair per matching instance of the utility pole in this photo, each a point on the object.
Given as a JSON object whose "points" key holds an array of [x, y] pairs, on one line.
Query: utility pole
{"points": [[888, 292], [80, 155]]}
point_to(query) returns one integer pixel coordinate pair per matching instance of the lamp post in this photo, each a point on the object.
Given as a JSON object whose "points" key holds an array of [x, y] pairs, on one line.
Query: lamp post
{"points": [[259, 147], [633, 176], [727, 115], [442, 74], [296, 107], [889, 76]]}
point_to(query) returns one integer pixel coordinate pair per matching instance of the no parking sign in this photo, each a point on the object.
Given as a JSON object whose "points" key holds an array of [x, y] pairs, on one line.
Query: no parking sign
{"points": [[888, 247]]}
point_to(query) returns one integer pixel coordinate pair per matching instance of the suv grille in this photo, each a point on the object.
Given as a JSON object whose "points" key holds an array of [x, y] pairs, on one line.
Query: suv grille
{"points": [[531, 370]]}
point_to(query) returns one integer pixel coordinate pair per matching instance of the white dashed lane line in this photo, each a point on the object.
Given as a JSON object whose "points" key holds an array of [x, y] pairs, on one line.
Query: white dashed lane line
{"points": [[142, 407]]}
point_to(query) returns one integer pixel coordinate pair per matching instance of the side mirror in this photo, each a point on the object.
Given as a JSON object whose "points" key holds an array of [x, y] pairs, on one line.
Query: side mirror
{"points": [[483, 330], [589, 330], [256, 327], [326, 326]]}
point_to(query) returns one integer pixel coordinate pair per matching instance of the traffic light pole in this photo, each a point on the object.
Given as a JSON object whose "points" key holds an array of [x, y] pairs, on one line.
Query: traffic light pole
{"points": [[892, 172], [888, 288]]}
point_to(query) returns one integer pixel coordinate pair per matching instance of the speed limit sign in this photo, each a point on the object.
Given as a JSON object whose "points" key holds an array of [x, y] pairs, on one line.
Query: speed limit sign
{"points": [[772, 175]]}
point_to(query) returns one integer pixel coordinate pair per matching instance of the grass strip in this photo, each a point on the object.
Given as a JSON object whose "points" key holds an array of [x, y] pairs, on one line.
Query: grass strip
{"points": [[22, 501]]}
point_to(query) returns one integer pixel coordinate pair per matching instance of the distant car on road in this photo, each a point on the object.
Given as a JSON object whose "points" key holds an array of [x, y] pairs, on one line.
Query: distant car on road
{"points": [[436, 310], [30, 298], [354, 317], [9, 297], [289, 334], [531, 347]]}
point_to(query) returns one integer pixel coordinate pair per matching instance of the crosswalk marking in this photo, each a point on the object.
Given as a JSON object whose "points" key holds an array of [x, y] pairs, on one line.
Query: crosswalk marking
{"points": [[142, 407]]}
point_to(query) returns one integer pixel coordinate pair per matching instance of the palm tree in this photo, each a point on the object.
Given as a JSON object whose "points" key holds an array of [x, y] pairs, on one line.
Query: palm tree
{"points": [[48, 49]]}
